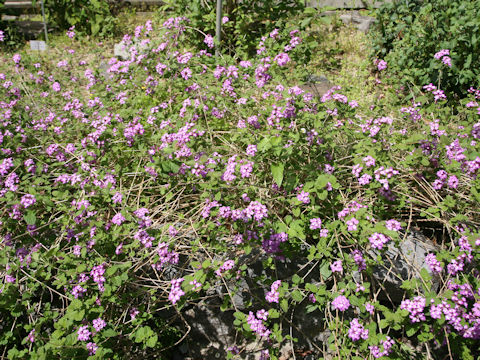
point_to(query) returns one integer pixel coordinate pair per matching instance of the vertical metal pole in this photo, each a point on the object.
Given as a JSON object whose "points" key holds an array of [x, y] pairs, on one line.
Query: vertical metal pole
{"points": [[44, 22], [219, 27]]}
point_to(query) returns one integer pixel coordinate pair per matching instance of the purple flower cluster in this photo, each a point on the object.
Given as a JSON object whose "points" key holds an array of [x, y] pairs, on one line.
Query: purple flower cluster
{"points": [[144, 221], [78, 291], [209, 41], [393, 225], [271, 245], [357, 331], [336, 266], [31, 336], [83, 334], [273, 294], [251, 150], [176, 291], [381, 64], [165, 256], [99, 324], [144, 238], [438, 94], [359, 260], [443, 56], [256, 210], [352, 224], [257, 323], [118, 219], [387, 348], [27, 200], [16, 58], [227, 265], [434, 265], [92, 348], [97, 275], [415, 307], [378, 240], [71, 33], [340, 303], [315, 223], [303, 197], [282, 59], [351, 208]]}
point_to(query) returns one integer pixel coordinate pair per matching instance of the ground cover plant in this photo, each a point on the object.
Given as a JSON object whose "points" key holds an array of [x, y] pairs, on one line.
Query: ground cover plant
{"points": [[131, 189]]}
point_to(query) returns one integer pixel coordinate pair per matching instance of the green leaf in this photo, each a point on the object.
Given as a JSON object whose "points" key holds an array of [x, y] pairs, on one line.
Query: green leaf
{"points": [[265, 144], [466, 353], [411, 331], [425, 336], [152, 341], [325, 270], [297, 296], [143, 333], [239, 315], [323, 195], [322, 181], [109, 333], [296, 279], [277, 172], [296, 211], [273, 314], [30, 218]]}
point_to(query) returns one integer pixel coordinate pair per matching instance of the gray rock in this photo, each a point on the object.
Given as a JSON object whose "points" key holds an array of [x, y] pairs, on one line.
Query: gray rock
{"points": [[211, 331], [316, 85], [103, 68], [362, 23], [120, 50], [403, 263]]}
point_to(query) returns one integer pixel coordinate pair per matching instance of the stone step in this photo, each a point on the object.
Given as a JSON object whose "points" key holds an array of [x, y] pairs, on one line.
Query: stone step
{"points": [[346, 4], [9, 17], [30, 29], [20, 4], [144, 2]]}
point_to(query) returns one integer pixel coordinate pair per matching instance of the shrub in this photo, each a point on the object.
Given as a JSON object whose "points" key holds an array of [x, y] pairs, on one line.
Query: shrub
{"points": [[90, 17], [11, 37], [9, 34], [245, 21], [408, 33]]}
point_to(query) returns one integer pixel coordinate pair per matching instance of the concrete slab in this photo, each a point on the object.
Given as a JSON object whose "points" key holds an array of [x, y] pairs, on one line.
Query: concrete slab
{"points": [[347, 4]]}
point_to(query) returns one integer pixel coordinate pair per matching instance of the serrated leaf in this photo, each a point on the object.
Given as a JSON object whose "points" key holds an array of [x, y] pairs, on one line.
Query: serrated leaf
{"points": [[30, 218], [325, 270], [296, 279], [277, 173], [109, 333], [273, 314], [411, 331], [152, 341], [297, 296]]}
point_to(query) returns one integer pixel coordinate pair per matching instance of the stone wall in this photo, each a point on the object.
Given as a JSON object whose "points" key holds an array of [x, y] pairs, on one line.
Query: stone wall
{"points": [[347, 4]]}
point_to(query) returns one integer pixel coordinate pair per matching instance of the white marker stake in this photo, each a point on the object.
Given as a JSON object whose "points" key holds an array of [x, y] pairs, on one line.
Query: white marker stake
{"points": [[38, 45]]}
